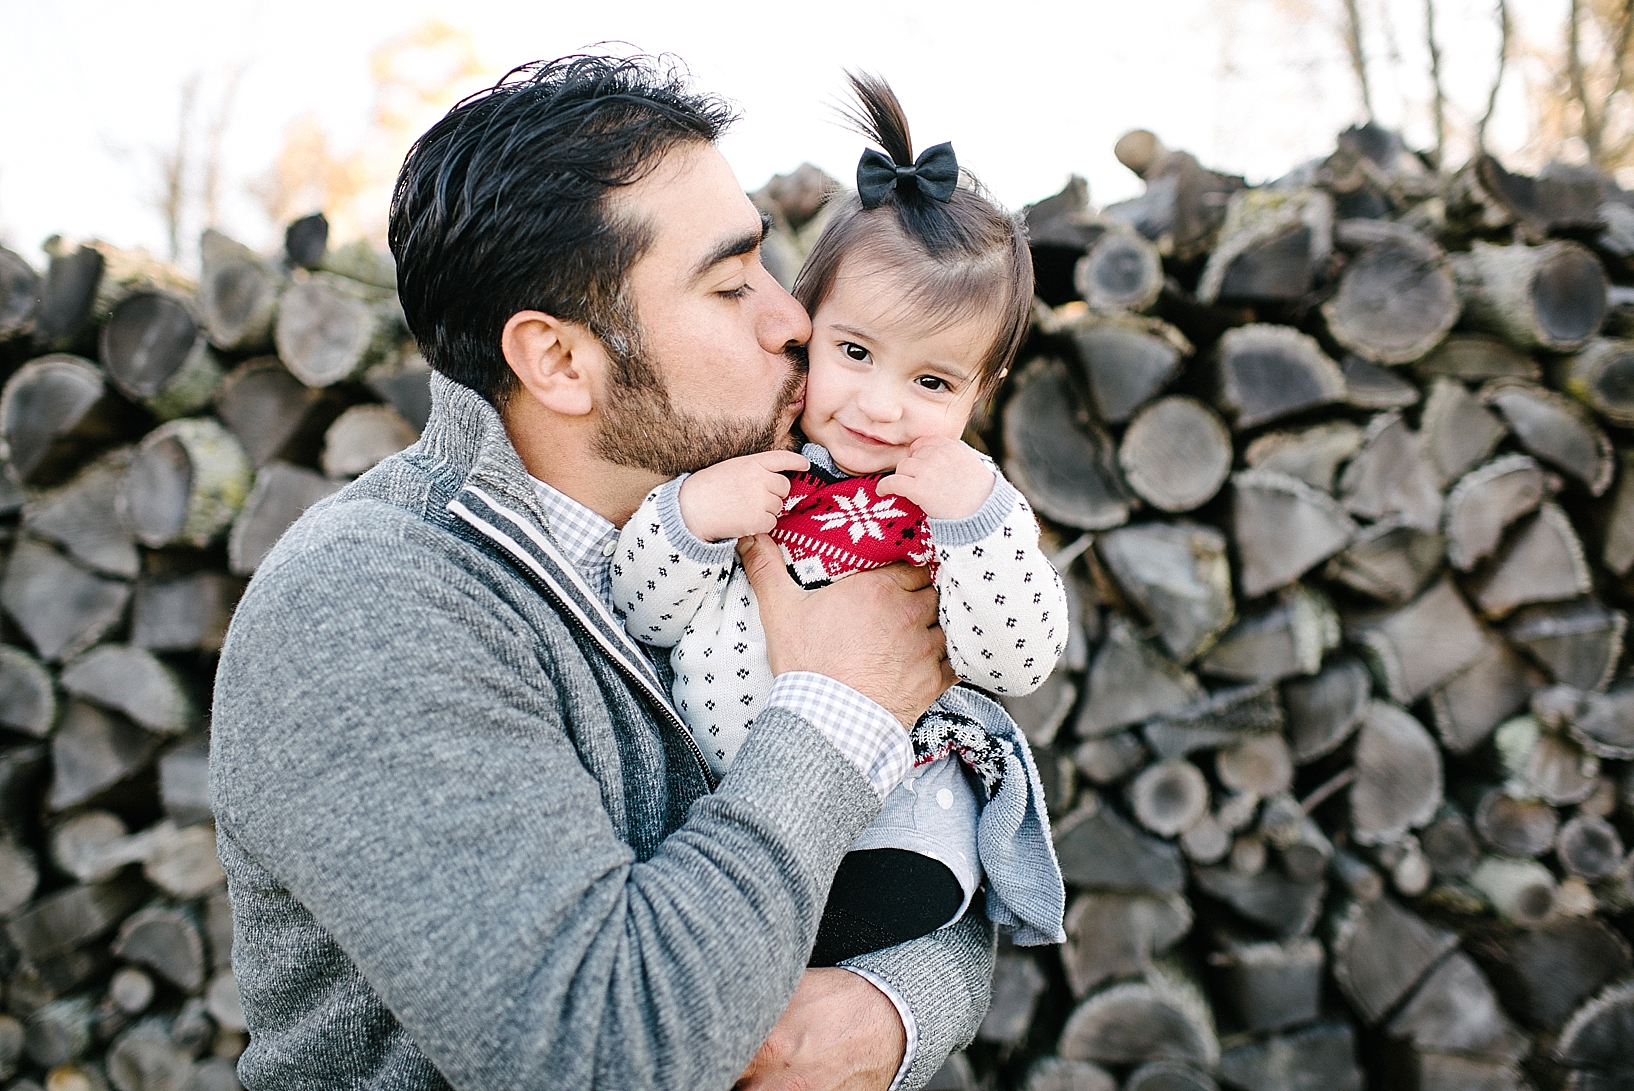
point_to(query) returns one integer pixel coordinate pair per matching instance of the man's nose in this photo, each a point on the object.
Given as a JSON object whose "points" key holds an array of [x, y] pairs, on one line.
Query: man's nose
{"points": [[782, 322]]}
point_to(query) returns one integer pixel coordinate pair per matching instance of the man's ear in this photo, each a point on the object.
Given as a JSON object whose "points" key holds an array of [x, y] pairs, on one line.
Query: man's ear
{"points": [[555, 361]]}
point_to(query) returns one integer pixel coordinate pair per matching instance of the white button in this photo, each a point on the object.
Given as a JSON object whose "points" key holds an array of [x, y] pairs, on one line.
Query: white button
{"points": [[607, 549], [944, 799]]}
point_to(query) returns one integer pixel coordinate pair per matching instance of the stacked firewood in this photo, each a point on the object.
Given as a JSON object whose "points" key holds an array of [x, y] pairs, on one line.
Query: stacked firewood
{"points": [[1341, 473], [158, 435]]}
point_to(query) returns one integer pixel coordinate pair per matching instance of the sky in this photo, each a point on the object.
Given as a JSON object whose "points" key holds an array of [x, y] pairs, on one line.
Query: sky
{"points": [[1029, 91]]}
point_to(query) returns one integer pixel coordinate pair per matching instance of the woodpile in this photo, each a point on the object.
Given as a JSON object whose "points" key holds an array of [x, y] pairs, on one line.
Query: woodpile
{"points": [[157, 435], [1340, 471]]}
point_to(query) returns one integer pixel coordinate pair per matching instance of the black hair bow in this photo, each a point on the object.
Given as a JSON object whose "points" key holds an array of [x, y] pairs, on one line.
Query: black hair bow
{"points": [[936, 172]]}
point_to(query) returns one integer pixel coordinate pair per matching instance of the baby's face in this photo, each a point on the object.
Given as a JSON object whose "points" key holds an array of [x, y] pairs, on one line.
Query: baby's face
{"points": [[880, 377]]}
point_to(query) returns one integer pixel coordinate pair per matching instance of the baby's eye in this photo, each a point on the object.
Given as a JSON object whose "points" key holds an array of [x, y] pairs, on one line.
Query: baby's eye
{"points": [[931, 382], [854, 351]]}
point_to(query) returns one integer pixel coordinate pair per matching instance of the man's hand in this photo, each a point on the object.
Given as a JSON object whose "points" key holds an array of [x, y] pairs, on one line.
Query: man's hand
{"points": [[944, 477], [838, 1033], [874, 631], [739, 496]]}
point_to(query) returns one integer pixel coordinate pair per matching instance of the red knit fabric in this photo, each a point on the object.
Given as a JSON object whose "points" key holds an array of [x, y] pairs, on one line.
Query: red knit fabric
{"points": [[831, 528]]}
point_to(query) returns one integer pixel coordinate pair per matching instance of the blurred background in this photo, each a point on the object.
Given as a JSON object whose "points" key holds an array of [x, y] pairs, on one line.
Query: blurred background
{"points": [[143, 123]]}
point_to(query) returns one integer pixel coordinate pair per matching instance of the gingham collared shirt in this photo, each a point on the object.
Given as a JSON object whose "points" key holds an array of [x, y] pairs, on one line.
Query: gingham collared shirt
{"points": [[861, 729]]}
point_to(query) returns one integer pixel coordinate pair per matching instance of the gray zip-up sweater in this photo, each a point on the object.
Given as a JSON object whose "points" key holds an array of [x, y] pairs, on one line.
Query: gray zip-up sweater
{"points": [[468, 842]]}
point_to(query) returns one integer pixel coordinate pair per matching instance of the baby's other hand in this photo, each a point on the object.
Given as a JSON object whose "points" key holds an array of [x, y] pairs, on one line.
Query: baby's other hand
{"points": [[738, 497], [943, 476]]}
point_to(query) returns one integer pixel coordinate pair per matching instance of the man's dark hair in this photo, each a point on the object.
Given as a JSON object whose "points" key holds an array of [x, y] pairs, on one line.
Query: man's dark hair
{"points": [[962, 257], [502, 206]]}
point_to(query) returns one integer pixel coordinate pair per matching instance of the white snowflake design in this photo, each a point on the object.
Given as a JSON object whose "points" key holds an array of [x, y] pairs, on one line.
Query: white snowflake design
{"points": [[858, 517]]}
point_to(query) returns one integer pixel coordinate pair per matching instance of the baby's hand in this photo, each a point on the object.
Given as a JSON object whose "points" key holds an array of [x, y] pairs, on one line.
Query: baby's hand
{"points": [[738, 497], [943, 476]]}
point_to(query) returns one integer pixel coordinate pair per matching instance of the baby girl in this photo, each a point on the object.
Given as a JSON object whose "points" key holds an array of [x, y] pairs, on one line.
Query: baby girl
{"points": [[919, 290]]}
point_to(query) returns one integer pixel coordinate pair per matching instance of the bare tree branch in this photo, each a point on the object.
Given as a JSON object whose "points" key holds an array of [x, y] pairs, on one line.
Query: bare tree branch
{"points": [[1439, 104], [210, 184], [1498, 77], [1358, 57], [1592, 126], [173, 169]]}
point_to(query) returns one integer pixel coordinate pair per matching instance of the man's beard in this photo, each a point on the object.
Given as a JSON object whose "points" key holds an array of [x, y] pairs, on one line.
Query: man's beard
{"points": [[641, 427]]}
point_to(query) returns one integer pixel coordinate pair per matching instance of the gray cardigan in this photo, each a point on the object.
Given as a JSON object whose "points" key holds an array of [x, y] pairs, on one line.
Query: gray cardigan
{"points": [[467, 840]]}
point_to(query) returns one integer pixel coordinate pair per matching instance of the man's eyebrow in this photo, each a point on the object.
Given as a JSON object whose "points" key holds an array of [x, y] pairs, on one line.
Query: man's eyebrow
{"points": [[747, 243]]}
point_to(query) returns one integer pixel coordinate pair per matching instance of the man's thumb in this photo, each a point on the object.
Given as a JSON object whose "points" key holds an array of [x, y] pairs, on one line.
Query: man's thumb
{"points": [[763, 564]]}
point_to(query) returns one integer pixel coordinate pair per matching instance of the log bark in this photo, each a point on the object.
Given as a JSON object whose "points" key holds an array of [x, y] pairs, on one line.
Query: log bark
{"points": [[1223, 718], [1270, 986], [186, 484], [1373, 386], [1111, 935], [1420, 646], [281, 493], [1131, 683], [1269, 372], [1272, 245], [1169, 1076], [1484, 502], [1542, 562], [1097, 848], [1184, 203], [1475, 357], [1323, 711], [68, 295], [1600, 1036], [28, 699], [146, 1058], [79, 516], [1602, 377], [165, 940], [1176, 454], [1536, 297], [1169, 797], [1604, 723], [1544, 974], [1380, 951], [1282, 528], [1120, 272], [1391, 561], [92, 751], [1544, 765], [362, 437], [238, 294], [1393, 474], [188, 613], [133, 681], [1062, 462], [92, 846], [1313, 455], [1617, 550], [1018, 984], [331, 328], [19, 875], [1286, 638], [55, 413], [275, 415], [1055, 1074], [19, 295], [1316, 1058], [1578, 643], [158, 355], [1162, 1017], [1515, 827], [59, 1032], [1555, 429], [1178, 577], [60, 607], [1398, 776], [1395, 301]]}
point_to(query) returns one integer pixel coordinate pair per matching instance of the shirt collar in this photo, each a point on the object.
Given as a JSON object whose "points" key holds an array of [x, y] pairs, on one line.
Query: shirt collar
{"points": [[582, 534], [818, 455]]}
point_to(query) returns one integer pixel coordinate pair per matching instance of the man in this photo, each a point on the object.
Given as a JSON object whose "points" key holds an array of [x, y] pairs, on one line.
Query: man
{"points": [[468, 842]]}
